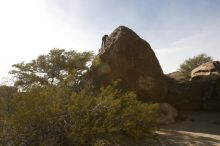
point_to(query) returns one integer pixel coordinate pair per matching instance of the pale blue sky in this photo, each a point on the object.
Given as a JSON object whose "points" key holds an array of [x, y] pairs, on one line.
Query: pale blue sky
{"points": [[176, 29]]}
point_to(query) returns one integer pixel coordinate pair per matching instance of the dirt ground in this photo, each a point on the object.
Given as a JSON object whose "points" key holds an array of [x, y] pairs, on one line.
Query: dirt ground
{"points": [[200, 129]]}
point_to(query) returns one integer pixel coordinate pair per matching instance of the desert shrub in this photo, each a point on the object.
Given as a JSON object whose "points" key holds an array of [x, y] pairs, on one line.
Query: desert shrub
{"points": [[55, 115], [6, 95]]}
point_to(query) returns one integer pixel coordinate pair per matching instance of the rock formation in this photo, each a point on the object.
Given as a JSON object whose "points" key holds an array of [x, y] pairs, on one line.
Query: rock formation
{"points": [[177, 76], [201, 93], [206, 69], [130, 59]]}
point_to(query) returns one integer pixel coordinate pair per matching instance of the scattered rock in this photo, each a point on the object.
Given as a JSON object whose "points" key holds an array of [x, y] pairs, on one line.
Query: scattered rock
{"points": [[130, 59]]}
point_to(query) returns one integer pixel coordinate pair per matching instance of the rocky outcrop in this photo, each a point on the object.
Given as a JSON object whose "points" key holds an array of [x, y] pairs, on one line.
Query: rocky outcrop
{"points": [[195, 95], [206, 69], [130, 59], [202, 92], [166, 114]]}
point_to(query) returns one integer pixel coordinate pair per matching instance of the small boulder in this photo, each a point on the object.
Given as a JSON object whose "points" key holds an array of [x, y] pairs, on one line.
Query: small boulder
{"points": [[166, 114], [177, 76]]}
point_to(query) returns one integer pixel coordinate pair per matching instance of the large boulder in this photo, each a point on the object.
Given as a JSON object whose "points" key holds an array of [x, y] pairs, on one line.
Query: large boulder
{"points": [[130, 59], [206, 69]]}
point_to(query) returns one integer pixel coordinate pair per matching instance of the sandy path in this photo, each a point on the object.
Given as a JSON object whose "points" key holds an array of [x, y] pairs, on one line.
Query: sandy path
{"points": [[201, 129]]}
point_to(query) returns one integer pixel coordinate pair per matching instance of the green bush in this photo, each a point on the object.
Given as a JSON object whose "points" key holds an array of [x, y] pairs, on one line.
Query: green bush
{"points": [[57, 116], [6, 95]]}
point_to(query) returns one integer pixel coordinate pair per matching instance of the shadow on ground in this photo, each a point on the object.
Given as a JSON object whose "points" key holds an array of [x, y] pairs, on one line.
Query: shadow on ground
{"points": [[200, 129]]}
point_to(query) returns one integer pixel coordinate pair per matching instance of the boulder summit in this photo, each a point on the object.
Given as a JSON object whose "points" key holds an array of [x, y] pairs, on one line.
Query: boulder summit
{"points": [[128, 58]]}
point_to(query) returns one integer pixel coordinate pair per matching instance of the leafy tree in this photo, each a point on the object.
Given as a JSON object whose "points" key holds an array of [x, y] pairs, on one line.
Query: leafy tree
{"points": [[188, 65], [59, 65]]}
